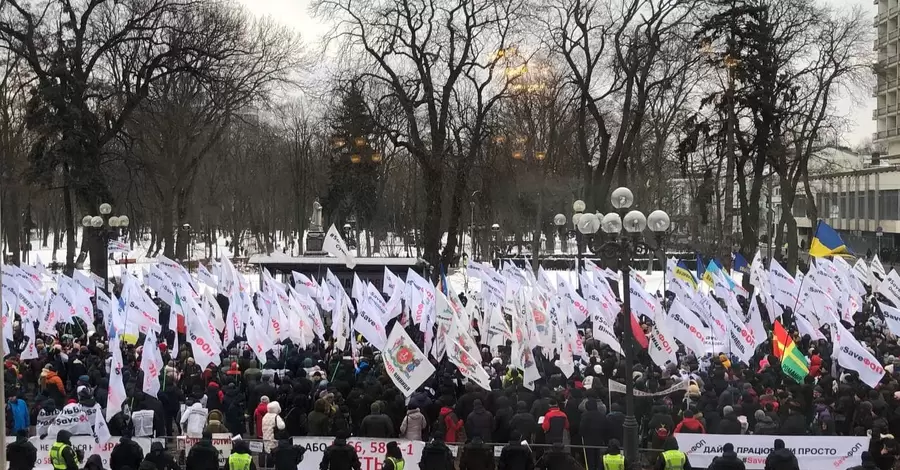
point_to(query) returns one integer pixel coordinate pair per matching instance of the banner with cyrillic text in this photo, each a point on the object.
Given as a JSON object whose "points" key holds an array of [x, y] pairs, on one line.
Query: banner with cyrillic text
{"points": [[813, 452], [85, 444]]}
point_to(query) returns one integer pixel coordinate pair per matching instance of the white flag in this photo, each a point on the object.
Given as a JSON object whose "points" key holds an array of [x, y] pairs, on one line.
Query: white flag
{"points": [[84, 282], [891, 317], [854, 356], [368, 323], [661, 345], [334, 244], [890, 287], [206, 277], [151, 364], [404, 362], [116, 394], [391, 282], [877, 267], [470, 367], [687, 328]]}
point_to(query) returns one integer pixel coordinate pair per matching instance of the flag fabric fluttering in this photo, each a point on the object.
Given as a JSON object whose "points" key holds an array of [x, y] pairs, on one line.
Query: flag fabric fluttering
{"points": [[335, 245], [740, 264], [827, 242], [793, 363]]}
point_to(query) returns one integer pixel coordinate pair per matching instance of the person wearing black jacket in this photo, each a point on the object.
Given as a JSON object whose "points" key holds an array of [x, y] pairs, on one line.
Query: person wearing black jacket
{"points": [[21, 454], [126, 454], [515, 456], [729, 423], [781, 458], [558, 459], [436, 455], [477, 456], [286, 456], [523, 423], [203, 456], [160, 458], [592, 429], [728, 460], [377, 424], [480, 422], [340, 455], [867, 462]]}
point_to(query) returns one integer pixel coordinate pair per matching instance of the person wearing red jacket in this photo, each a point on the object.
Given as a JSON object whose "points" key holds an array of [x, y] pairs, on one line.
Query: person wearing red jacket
{"points": [[689, 424], [258, 414], [454, 428], [555, 425]]}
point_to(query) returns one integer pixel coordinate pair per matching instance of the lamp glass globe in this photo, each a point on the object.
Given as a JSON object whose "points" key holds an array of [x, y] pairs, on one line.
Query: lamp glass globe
{"points": [[86, 221], [658, 221], [124, 221], [113, 221], [559, 220], [622, 198], [578, 206], [611, 223], [635, 222], [97, 221], [105, 208]]}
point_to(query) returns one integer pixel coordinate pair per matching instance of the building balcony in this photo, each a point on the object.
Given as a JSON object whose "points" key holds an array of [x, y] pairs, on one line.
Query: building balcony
{"points": [[884, 111], [886, 134], [888, 59], [886, 85], [885, 15]]}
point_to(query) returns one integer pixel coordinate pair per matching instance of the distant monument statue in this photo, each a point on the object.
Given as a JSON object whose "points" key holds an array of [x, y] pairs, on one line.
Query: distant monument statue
{"points": [[315, 237]]}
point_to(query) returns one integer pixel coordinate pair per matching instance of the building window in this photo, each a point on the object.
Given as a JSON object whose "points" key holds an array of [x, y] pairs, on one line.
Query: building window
{"points": [[799, 209], [889, 204]]}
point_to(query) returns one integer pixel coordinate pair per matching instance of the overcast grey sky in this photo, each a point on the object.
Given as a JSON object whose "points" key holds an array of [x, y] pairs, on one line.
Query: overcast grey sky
{"points": [[295, 13]]}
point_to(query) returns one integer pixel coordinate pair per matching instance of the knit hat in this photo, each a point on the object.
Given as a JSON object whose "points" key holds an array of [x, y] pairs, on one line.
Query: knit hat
{"points": [[263, 399], [759, 414], [727, 410]]}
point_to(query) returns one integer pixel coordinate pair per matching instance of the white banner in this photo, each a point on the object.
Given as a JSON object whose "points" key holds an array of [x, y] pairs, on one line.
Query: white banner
{"points": [[813, 452], [620, 388], [85, 443]]}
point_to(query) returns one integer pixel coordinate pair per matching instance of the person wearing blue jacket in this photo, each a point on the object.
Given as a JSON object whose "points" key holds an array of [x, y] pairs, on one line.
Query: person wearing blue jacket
{"points": [[17, 417]]}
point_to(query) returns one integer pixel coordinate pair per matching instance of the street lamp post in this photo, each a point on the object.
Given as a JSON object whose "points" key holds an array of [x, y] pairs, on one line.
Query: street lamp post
{"points": [[560, 221], [627, 244], [495, 229], [106, 227]]}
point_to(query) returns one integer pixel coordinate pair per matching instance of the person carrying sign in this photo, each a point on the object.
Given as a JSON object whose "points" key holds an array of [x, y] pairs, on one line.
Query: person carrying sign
{"points": [[62, 455]]}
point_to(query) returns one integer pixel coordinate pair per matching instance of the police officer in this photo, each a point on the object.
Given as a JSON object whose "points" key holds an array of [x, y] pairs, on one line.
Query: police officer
{"points": [[671, 458], [613, 459], [62, 455], [393, 457], [240, 457]]}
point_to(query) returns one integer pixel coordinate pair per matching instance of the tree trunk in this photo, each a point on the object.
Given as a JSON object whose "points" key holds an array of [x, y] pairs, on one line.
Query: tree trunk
{"points": [[184, 235], [432, 176], [93, 242], [167, 226], [70, 224], [536, 237], [13, 226]]}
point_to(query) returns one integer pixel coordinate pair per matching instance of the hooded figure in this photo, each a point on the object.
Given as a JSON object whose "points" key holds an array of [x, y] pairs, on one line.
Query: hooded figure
{"points": [[271, 423], [318, 423], [558, 459], [94, 462], [203, 456], [868, 463], [480, 422], [376, 424], [126, 454], [781, 458], [516, 456], [286, 456], [436, 455], [413, 425], [240, 456], [21, 454], [258, 414], [160, 458], [613, 458], [765, 425], [477, 456], [67, 454], [340, 455]]}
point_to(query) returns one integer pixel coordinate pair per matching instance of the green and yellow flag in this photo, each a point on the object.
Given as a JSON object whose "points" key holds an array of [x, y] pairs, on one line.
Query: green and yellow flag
{"points": [[793, 363]]}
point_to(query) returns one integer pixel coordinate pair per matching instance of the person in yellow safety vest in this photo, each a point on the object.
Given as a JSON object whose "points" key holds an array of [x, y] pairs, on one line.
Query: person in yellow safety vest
{"points": [[393, 458], [613, 458], [671, 458], [62, 455], [240, 458]]}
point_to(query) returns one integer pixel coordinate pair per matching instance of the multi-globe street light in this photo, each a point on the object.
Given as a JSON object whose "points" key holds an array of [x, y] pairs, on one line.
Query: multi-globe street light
{"points": [[106, 227]]}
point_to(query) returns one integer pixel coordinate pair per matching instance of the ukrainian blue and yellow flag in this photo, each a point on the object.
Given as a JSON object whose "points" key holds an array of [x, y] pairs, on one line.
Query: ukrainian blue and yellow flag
{"points": [[700, 267], [827, 242], [740, 264], [682, 272]]}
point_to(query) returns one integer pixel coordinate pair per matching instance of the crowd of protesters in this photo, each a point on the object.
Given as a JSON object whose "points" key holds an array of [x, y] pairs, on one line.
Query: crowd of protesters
{"points": [[321, 392]]}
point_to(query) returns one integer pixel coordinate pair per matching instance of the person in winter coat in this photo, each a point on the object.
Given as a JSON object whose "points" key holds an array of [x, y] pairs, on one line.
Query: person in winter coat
{"points": [[94, 462], [240, 456], [502, 419], [436, 455], [794, 424], [413, 425], [271, 423], [214, 422], [452, 427], [558, 459], [613, 454], [515, 456], [689, 424], [21, 454], [203, 456], [728, 460], [523, 423], [765, 425], [393, 456], [480, 422], [17, 415], [214, 397], [160, 458], [868, 463], [377, 424], [781, 458], [661, 425], [340, 455], [52, 384], [729, 423], [286, 456], [477, 456], [258, 414], [193, 420], [126, 454], [318, 422], [593, 428], [555, 425]]}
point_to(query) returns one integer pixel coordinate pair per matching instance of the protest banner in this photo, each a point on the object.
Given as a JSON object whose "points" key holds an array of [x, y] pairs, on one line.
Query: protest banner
{"points": [[813, 452], [86, 444], [221, 441]]}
